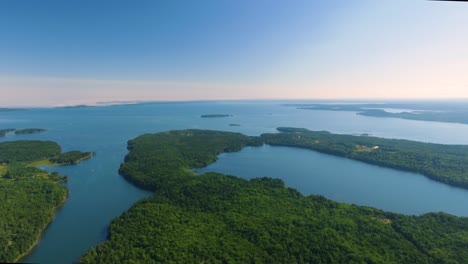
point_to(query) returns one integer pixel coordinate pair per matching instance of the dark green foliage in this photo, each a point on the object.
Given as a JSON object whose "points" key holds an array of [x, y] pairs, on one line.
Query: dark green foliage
{"points": [[213, 218], [26, 207], [71, 157], [169, 156], [445, 163], [29, 131], [28, 195], [27, 150]]}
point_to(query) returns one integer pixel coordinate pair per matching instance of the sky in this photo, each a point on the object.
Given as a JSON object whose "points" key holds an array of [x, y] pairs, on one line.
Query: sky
{"points": [[82, 52]]}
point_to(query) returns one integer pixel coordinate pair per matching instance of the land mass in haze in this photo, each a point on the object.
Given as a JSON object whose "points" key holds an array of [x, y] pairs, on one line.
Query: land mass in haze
{"points": [[214, 218], [437, 112], [3, 132], [215, 116], [29, 196]]}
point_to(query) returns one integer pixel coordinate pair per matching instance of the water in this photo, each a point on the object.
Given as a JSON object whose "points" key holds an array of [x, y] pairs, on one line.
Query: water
{"points": [[344, 180], [98, 194]]}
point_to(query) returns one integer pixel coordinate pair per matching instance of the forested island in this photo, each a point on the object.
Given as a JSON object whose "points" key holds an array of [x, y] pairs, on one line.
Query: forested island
{"points": [[422, 112], [215, 116], [25, 131], [29, 196], [214, 218]]}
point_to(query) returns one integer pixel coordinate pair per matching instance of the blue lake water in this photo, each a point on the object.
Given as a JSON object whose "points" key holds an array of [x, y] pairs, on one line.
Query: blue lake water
{"points": [[98, 194]]}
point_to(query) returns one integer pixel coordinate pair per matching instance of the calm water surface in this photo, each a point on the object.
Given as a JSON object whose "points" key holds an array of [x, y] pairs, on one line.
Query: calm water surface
{"points": [[98, 194]]}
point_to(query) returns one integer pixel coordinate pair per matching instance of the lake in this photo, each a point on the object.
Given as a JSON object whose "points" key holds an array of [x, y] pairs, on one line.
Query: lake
{"points": [[98, 194]]}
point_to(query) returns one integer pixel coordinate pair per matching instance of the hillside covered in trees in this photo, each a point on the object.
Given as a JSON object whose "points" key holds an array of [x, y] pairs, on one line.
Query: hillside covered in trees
{"points": [[214, 218], [28, 195]]}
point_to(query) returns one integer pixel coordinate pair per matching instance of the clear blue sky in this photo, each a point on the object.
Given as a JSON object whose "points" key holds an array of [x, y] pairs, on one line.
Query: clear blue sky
{"points": [[169, 50]]}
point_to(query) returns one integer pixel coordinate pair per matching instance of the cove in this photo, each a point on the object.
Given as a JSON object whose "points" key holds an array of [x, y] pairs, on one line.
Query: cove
{"points": [[344, 180]]}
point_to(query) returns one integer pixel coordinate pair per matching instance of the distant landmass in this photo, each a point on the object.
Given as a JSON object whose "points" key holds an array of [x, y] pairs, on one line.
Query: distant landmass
{"points": [[454, 113], [25, 131], [215, 116]]}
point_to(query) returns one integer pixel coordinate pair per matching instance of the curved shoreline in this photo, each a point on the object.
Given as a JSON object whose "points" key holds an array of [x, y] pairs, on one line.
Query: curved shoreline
{"points": [[38, 239]]}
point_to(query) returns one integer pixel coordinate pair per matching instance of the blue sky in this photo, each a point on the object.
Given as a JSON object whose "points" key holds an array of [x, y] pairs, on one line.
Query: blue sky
{"points": [[88, 51]]}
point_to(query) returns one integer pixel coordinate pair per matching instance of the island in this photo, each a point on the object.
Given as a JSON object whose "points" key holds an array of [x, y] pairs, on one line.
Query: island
{"points": [[4, 132], [234, 125], [29, 196], [216, 218], [215, 116], [29, 131]]}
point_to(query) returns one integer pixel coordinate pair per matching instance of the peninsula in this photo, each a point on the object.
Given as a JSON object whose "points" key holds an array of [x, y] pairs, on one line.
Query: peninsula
{"points": [[218, 218], [29, 196]]}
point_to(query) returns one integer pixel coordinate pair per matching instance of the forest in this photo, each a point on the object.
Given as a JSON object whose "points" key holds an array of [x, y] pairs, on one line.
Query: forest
{"points": [[444, 163], [29, 131], [28, 195], [215, 218]]}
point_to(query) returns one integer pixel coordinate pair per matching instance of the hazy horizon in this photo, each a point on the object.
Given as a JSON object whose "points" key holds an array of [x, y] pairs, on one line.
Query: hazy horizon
{"points": [[63, 54]]}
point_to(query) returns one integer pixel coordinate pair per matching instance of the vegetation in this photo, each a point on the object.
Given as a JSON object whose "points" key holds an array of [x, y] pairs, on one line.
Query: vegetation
{"points": [[234, 125], [29, 131], [444, 163], [213, 218], [27, 150], [71, 157], [28, 195], [215, 116]]}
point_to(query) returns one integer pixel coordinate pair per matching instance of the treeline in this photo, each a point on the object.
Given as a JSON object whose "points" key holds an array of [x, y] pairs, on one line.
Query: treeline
{"points": [[28, 195], [71, 157], [33, 150], [444, 163], [213, 218], [27, 150]]}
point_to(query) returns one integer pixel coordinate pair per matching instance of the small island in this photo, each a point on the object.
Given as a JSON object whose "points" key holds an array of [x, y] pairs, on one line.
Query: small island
{"points": [[29, 196], [25, 131], [215, 116], [234, 125], [29, 131], [4, 132]]}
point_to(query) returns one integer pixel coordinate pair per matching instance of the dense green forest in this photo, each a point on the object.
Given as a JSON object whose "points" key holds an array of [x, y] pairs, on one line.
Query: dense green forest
{"points": [[71, 157], [28, 195], [213, 218], [445, 163], [34, 150], [27, 150]]}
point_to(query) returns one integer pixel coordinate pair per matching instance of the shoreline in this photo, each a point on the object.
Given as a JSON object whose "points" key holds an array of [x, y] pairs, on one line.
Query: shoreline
{"points": [[38, 239]]}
